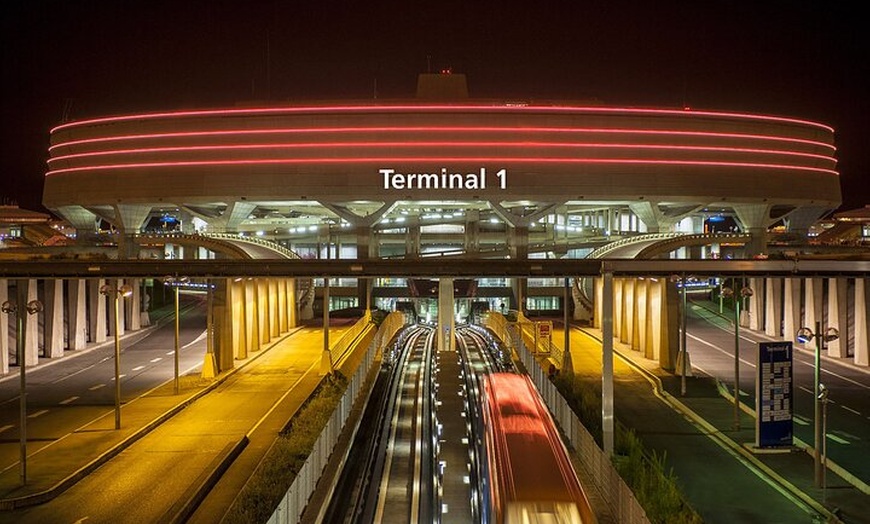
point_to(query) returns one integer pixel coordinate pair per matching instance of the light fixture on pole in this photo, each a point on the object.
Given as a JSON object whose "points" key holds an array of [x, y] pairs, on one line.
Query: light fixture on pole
{"points": [[683, 321], [745, 292], [176, 283], [32, 307], [804, 336], [116, 293]]}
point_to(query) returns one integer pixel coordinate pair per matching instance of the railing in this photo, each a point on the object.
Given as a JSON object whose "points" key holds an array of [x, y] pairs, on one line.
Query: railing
{"points": [[289, 510], [256, 240], [339, 351], [613, 490]]}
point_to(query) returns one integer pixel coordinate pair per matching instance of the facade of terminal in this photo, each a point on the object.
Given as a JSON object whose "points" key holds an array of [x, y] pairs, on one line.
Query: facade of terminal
{"points": [[445, 175]]}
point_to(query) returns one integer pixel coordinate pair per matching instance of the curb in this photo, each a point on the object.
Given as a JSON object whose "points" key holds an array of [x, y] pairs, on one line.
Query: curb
{"points": [[719, 437], [52, 492]]}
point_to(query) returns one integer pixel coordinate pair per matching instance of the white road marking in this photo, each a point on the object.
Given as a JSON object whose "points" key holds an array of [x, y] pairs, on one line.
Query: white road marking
{"points": [[38, 413], [4, 428], [137, 368], [171, 353], [98, 386], [67, 401], [155, 360], [847, 408], [800, 420], [836, 439]]}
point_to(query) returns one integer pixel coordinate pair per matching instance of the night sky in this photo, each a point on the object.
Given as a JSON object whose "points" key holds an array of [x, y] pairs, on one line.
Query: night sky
{"points": [[77, 59]]}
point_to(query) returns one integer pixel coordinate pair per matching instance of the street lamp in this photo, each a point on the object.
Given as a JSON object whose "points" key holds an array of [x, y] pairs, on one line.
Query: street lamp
{"points": [[116, 293], [804, 336], [683, 320], [745, 292], [176, 283], [32, 307]]}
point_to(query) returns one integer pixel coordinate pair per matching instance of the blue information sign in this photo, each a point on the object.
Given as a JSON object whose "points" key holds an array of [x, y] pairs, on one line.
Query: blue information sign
{"points": [[773, 395]]}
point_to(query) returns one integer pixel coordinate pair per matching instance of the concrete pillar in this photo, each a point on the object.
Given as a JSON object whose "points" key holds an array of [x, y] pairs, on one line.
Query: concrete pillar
{"points": [[862, 317], [224, 335], [133, 305], [412, 242], [96, 311], [252, 316], [773, 307], [292, 314], [282, 304], [129, 219], [262, 310], [791, 315], [122, 308], [5, 318], [77, 336], [837, 316], [446, 327], [274, 322], [656, 316], [812, 306], [756, 311], [472, 231], [31, 323], [598, 286], [618, 309], [519, 242], [630, 308], [53, 324], [754, 218], [232, 217], [82, 220], [641, 291]]}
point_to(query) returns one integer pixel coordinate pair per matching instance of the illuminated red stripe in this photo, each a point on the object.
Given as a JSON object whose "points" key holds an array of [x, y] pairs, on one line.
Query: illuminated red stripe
{"points": [[346, 145], [437, 160], [436, 108]]}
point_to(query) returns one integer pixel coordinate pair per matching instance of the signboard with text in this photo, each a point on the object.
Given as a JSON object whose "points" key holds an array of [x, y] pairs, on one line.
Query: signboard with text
{"points": [[773, 395]]}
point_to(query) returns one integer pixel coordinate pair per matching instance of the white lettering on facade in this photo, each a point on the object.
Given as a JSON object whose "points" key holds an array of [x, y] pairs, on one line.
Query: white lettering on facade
{"points": [[440, 180]]}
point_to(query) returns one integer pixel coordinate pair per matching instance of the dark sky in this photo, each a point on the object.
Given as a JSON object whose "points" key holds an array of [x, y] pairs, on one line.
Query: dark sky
{"points": [[805, 59]]}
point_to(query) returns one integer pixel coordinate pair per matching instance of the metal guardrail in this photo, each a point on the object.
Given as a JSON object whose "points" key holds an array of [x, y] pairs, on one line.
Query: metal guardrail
{"points": [[614, 491], [338, 352], [289, 510], [288, 253]]}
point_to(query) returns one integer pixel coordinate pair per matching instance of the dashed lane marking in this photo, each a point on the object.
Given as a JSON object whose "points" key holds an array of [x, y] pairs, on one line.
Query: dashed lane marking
{"points": [[98, 386], [38, 413], [68, 400]]}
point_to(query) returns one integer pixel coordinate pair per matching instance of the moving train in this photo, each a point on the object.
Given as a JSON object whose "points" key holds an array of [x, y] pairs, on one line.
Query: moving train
{"points": [[531, 479]]}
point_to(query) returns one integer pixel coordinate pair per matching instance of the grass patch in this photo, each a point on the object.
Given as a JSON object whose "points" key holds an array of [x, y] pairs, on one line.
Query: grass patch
{"points": [[270, 482], [652, 482]]}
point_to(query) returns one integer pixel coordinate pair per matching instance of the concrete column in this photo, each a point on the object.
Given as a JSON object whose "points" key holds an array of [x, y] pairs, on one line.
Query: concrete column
{"points": [[82, 220], [754, 218], [133, 306], [222, 316], [812, 306], [446, 327], [252, 323], [657, 317], [641, 291], [263, 310], [122, 303], [791, 315], [630, 308], [755, 303], [77, 335], [773, 307], [292, 314], [618, 308], [519, 242], [837, 316], [598, 286], [412, 242], [53, 325], [274, 319], [129, 218], [862, 317], [282, 304], [97, 311], [5, 318], [472, 231], [31, 324]]}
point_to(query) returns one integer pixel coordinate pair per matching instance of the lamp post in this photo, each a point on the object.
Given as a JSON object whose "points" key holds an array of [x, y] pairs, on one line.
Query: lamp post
{"points": [[745, 292], [804, 336], [683, 320], [176, 283], [32, 307], [116, 293]]}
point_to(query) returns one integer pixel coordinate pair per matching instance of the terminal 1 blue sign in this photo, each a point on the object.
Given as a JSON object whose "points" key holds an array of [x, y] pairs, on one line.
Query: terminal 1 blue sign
{"points": [[773, 395]]}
